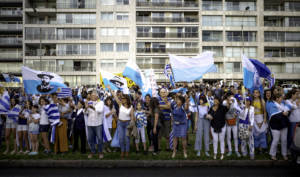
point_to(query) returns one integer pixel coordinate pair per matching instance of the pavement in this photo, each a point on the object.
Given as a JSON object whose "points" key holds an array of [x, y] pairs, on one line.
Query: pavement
{"points": [[140, 163]]}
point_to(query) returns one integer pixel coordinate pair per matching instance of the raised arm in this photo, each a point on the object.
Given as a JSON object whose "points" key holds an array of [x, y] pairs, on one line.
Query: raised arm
{"points": [[114, 95]]}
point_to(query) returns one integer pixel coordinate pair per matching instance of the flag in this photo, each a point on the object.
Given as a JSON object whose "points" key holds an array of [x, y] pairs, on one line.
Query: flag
{"points": [[134, 73], [64, 92], [181, 89], [105, 131], [53, 117], [40, 82], [171, 137], [190, 69], [4, 103], [10, 78], [150, 78], [263, 71], [14, 113], [115, 82], [168, 73]]}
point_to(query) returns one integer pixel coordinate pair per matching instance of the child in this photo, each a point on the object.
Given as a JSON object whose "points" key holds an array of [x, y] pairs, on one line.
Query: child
{"points": [[34, 119], [23, 127], [141, 123]]}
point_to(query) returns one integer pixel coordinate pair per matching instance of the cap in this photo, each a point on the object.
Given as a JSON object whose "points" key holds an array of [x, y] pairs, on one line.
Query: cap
{"points": [[238, 97], [248, 98]]}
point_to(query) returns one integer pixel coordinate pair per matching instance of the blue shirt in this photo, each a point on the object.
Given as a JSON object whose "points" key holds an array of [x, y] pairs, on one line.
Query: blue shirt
{"points": [[179, 114], [166, 112]]}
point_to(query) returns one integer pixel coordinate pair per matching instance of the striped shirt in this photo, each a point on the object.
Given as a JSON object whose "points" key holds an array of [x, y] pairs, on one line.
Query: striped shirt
{"points": [[166, 112], [141, 119]]}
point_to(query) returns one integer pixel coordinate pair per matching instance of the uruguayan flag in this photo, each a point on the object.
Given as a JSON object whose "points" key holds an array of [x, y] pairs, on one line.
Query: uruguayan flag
{"points": [[190, 69], [181, 89], [263, 71], [133, 72], [251, 77], [11, 78], [13, 114], [39, 82], [4, 103], [168, 73], [115, 82], [53, 117], [105, 131], [64, 92]]}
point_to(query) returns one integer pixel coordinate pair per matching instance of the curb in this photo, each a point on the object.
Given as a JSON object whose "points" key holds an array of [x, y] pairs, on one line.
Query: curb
{"points": [[138, 163]]}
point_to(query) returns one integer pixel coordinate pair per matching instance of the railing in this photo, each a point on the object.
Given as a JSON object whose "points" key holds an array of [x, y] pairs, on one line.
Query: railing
{"points": [[238, 8], [168, 35], [77, 21], [42, 52], [40, 37], [75, 69], [281, 24], [10, 41], [281, 8], [11, 12], [10, 26], [42, 5], [212, 23], [209, 7], [165, 19], [37, 21], [167, 4], [240, 39], [76, 5], [11, 55], [167, 50], [240, 23], [53, 52], [272, 54]]}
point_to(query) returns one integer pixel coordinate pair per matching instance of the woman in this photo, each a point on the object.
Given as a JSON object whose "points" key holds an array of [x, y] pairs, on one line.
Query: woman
{"points": [[278, 113], [260, 122], [79, 127], [148, 114], [202, 125], [218, 128], [109, 115], [179, 124], [246, 122], [126, 114], [23, 127], [156, 118], [44, 124]]}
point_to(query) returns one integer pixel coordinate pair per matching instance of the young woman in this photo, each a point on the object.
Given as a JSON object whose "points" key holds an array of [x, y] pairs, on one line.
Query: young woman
{"points": [[179, 123], [260, 122], [218, 127], [146, 107], [126, 114], [79, 127], [33, 121], [156, 118], [109, 115], [246, 122], [44, 124], [141, 123], [202, 125], [278, 113], [23, 127]]}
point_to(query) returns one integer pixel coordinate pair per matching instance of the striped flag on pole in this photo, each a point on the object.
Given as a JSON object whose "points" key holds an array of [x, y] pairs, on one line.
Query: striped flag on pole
{"points": [[64, 92], [171, 137], [4, 103]]}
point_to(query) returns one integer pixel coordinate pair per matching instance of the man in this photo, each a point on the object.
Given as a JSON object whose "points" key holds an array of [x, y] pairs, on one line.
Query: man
{"points": [[45, 85], [95, 111], [165, 107]]}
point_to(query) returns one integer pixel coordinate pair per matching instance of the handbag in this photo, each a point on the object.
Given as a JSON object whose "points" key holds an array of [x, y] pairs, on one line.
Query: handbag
{"points": [[231, 122]]}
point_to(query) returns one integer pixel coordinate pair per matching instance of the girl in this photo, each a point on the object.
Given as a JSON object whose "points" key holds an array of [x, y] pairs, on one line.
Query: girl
{"points": [[141, 123], [79, 127], [278, 113], [33, 121], [23, 127], [44, 124], [260, 122], [218, 128], [179, 124], [202, 125], [109, 115], [246, 122]]}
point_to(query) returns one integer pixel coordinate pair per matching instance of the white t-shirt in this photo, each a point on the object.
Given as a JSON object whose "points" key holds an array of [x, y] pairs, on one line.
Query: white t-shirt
{"points": [[124, 113], [109, 118], [203, 110], [44, 118], [95, 117]]}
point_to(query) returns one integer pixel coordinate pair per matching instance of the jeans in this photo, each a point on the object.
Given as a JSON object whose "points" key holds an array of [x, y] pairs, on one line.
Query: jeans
{"points": [[123, 139], [95, 133], [291, 129]]}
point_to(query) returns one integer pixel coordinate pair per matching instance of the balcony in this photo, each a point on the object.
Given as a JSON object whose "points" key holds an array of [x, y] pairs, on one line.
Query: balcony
{"points": [[41, 4], [77, 5], [11, 27], [167, 4], [11, 56], [194, 19], [11, 12], [287, 7], [42, 52], [281, 54], [167, 50], [167, 35], [11, 41]]}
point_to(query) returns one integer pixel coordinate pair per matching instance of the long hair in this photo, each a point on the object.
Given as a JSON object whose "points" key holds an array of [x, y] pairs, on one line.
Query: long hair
{"points": [[154, 104], [106, 102]]}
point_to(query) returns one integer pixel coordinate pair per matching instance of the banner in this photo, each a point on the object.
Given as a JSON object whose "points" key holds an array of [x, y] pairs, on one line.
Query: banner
{"points": [[168, 73], [150, 76], [130, 82], [115, 82]]}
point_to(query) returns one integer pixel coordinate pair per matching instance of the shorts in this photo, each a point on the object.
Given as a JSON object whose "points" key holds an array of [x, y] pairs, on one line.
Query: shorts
{"points": [[22, 128], [44, 128], [165, 128], [11, 125], [34, 132], [33, 128]]}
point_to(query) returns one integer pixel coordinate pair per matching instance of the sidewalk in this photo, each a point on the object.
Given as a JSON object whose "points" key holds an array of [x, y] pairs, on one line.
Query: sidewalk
{"points": [[139, 163]]}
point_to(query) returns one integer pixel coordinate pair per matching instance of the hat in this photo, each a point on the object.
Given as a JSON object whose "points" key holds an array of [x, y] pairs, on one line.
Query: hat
{"points": [[248, 98], [238, 97], [41, 75]]}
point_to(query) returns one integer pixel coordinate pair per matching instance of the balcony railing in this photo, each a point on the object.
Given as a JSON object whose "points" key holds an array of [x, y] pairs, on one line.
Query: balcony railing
{"points": [[212, 7], [168, 35], [76, 5], [42, 52], [167, 4], [281, 24], [11, 55], [271, 54], [40, 37], [10, 41], [239, 8], [164, 19], [281, 8], [11, 26], [13, 12], [51, 5], [167, 50], [75, 69]]}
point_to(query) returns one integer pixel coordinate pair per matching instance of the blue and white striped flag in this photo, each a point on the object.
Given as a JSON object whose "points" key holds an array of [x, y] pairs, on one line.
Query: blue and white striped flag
{"points": [[64, 92], [168, 73], [105, 131], [53, 117], [4, 103], [171, 137], [14, 113]]}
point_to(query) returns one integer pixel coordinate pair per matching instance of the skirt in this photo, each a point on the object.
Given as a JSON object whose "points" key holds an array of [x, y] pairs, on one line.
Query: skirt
{"points": [[180, 130]]}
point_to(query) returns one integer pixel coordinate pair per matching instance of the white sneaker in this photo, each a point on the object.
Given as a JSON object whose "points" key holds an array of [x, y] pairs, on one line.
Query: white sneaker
{"points": [[222, 157], [215, 156], [198, 154], [12, 152]]}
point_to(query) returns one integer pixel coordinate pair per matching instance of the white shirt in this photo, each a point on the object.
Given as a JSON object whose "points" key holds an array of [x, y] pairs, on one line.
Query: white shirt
{"points": [[109, 118], [244, 113], [203, 110], [295, 112], [44, 118], [95, 117], [124, 113]]}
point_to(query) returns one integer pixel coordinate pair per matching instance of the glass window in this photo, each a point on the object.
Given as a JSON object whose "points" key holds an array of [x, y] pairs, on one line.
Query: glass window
{"points": [[122, 31], [107, 15], [122, 2], [107, 31], [106, 47], [236, 52], [107, 2], [239, 21], [212, 20], [218, 50], [212, 36], [122, 47], [107, 64], [120, 64], [122, 16], [233, 67]]}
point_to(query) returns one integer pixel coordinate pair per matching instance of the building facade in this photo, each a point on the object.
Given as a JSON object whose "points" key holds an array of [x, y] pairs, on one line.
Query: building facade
{"points": [[79, 38]]}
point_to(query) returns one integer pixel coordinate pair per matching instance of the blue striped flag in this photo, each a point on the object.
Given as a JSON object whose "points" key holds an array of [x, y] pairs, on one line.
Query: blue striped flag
{"points": [[14, 113], [105, 131], [171, 137], [168, 73], [4, 103], [53, 117], [64, 92]]}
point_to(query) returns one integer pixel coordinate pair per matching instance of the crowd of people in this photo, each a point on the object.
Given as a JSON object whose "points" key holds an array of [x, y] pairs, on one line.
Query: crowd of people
{"points": [[252, 121]]}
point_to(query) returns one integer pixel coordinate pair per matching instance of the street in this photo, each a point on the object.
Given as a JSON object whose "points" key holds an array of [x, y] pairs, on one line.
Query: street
{"points": [[153, 172]]}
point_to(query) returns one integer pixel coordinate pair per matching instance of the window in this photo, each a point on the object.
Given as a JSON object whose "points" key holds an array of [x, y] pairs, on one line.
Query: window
{"points": [[144, 63], [233, 67], [122, 47], [239, 21], [191, 31], [80, 80], [64, 65], [236, 52], [76, 18], [107, 2], [275, 67], [44, 65], [218, 50], [76, 49], [212, 36], [211, 5], [107, 65], [122, 31], [107, 47], [235, 36], [107, 32], [120, 64], [271, 36], [292, 36], [292, 67], [122, 16], [240, 6], [292, 21], [212, 21], [143, 31], [122, 2], [107, 16]]}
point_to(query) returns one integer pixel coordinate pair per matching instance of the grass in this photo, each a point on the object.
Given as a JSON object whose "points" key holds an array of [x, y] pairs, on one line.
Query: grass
{"points": [[163, 155]]}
